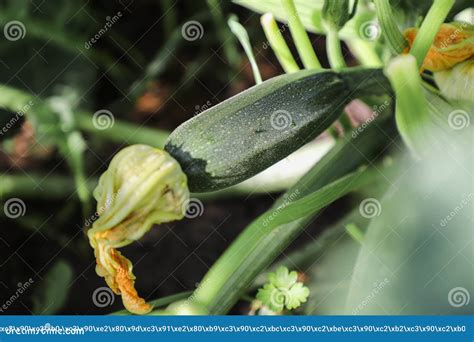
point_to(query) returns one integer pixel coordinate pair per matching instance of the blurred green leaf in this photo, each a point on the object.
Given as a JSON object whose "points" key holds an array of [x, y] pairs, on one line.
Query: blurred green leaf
{"points": [[10, 124], [417, 254], [244, 40], [51, 294]]}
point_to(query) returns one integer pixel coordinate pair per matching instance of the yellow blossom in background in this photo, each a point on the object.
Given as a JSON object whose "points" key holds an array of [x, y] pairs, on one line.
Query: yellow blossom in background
{"points": [[453, 44]]}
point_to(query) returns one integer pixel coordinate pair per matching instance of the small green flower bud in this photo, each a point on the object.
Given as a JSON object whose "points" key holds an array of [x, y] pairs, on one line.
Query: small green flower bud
{"points": [[336, 13]]}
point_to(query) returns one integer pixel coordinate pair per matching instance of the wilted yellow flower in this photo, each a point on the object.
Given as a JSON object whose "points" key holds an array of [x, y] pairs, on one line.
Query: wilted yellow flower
{"points": [[453, 44], [143, 186]]}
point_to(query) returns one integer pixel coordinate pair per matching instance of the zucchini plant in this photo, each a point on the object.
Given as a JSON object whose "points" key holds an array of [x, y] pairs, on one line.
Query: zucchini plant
{"points": [[255, 129], [394, 99]]}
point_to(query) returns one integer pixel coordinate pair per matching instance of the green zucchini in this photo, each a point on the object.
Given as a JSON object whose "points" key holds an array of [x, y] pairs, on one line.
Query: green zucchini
{"points": [[249, 132]]}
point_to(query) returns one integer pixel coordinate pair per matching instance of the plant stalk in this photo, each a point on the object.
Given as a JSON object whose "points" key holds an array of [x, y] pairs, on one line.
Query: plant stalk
{"points": [[429, 28], [300, 37], [333, 47], [123, 132], [389, 26], [278, 44], [411, 112], [355, 233]]}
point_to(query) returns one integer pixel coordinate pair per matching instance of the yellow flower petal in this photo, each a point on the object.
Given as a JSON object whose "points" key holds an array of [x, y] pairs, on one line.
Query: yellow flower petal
{"points": [[453, 44]]}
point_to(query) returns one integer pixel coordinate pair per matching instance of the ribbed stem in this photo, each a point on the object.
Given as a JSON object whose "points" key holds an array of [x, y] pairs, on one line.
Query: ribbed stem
{"points": [[429, 28], [333, 47], [278, 44], [389, 26], [300, 37]]}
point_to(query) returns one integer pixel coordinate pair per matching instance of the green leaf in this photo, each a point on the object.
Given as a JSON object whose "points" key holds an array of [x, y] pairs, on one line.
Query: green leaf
{"points": [[266, 295], [10, 123], [52, 292], [298, 295], [424, 119], [282, 277], [418, 253], [283, 291], [454, 82]]}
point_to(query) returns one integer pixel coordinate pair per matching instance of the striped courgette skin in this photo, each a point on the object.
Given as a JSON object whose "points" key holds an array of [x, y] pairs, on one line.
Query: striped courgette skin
{"points": [[249, 132]]}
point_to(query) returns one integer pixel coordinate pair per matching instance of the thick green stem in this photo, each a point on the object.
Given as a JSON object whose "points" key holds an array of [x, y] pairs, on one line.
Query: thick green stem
{"points": [[389, 26], [300, 37], [336, 60], [429, 28], [39, 186], [333, 47], [411, 106], [365, 52], [278, 44]]}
